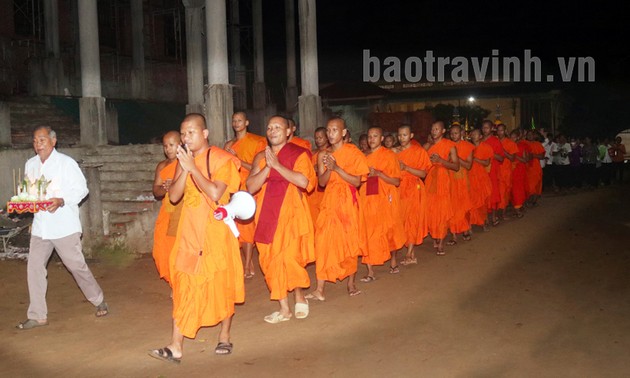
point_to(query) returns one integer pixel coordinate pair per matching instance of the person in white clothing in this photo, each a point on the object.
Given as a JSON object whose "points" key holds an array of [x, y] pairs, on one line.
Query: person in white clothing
{"points": [[59, 228]]}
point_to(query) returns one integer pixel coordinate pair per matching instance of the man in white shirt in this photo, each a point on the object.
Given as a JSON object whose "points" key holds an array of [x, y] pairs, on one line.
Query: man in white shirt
{"points": [[560, 152], [56, 228]]}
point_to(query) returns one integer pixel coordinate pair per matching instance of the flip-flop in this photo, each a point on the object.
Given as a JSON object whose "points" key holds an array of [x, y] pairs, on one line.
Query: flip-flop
{"points": [[164, 354], [394, 270], [451, 242], [30, 324], [276, 317], [223, 349], [301, 308], [354, 293], [102, 310], [315, 297], [368, 279]]}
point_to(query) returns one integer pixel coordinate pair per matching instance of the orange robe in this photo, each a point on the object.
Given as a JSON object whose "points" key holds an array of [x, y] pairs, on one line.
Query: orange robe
{"points": [[480, 185], [315, 196], [301, 142], [162, 239], [339, 234], [283, 260], [413, 194], [246, 149], [519, 176], [381, 210], [495, 166], [505, 174], [206, 267], [534, 170], [438, 186], [460, 191]]}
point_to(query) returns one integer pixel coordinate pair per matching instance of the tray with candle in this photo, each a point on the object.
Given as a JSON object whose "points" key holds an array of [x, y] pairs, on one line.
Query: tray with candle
{"points": [[30, 197]]}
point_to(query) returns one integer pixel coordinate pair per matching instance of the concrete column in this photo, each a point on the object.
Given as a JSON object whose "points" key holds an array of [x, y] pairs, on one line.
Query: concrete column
{"points": [[51, 23], [259, 90], [310, 104], [5, 124], [219, 103], [240, 77], [91, 212], [194, 55], [50, 80], [92, 105], [138, 77], [291, 95]]}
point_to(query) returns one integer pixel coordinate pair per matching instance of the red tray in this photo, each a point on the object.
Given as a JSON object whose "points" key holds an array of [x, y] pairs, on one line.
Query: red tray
{"points": [[27, 206]]}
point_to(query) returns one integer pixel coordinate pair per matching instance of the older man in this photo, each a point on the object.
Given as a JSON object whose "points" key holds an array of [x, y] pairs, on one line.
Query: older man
{"points": [[56, 228]]}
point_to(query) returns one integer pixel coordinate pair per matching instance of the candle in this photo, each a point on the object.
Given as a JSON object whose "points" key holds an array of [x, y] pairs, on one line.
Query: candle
{"points": [[14, 187]]}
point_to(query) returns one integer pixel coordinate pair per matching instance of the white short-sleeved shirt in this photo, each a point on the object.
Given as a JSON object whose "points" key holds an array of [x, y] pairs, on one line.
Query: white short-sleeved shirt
{"points": [[67, 182]]}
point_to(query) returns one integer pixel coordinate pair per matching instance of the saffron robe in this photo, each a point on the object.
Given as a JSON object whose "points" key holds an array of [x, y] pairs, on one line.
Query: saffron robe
{"points": [[168, 215], [340, 235], [283, 260], [460, 191], [519, 176], [480, 185], [505, 173], [314, 197], [534, 170], [206, 267], [497, 148], [413, 197], [382, 209], [438, 187], [301, 142]]}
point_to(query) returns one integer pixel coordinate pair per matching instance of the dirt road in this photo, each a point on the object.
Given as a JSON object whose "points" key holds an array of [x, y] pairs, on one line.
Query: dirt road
{"points": [[547, 296]]}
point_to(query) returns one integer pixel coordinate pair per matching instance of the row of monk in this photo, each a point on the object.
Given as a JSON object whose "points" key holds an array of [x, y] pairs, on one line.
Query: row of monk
{"points": [[328, 206]]}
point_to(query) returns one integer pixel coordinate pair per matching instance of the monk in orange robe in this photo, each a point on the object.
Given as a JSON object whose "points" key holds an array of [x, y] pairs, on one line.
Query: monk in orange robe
{"points": [[380, 202], [519, 175], [168, 217], [414, 164], [296, 139], [340, 235], [460, 187], [505, 174], [444, 160], [480, 185], [534, 170], [282, 175], [206, 268], [245, 146], [494, 201], [315, 196]]}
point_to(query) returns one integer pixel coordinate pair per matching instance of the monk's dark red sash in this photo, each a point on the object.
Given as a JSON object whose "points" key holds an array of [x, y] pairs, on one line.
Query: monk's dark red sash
{"points": [[371, 186], [274, 194]]}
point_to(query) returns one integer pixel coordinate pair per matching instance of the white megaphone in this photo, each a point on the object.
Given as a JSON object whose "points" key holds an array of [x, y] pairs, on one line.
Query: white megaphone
{"points": [[242, 206]]}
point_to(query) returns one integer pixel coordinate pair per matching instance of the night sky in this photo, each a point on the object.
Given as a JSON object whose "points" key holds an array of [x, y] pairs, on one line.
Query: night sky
{"points": [[409, 28]]}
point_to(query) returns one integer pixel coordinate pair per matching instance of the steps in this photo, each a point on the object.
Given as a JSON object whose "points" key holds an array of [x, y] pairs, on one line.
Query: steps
{"points": [[127, 174], [29, 112]]}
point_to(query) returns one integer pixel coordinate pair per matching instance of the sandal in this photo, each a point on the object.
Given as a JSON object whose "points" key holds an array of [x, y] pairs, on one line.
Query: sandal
{"points": [[440, 252], [223, 349], [394, 270], [316, 296], [275, 318], [466, 236], [495, 222], [102, 310], [301, 310], [30, 324], [164, 354], [354, 292], [368, 279], [451, 242]]}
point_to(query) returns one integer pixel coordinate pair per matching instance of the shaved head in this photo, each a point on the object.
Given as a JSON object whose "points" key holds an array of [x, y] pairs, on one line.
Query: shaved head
{"points": [[197, 119]]}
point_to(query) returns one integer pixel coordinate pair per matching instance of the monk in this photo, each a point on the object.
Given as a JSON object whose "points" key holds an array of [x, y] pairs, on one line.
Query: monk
{"points": [[381, 206], [296, 139], [414, 164], [460, 187], [168, 217], [444, 160], [363, 143], [505, 173], [534, 169], [282, 175], [340, 235], [206, 268], [495, 165], [519, 175], [480, 185], [315, 196], [245, 146]]}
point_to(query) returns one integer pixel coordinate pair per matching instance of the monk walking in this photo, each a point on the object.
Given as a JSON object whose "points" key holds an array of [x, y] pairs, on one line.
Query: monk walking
{"points": [[339, 230], [315, 196], [443, 156], [282, 175], [414, 164], [505, 173], [534, 169], [168, 217], [480, 185], [245, 146], [519, 175], [380, 202], [293, 138], [460, 189], [495, 165], [206, 268]]}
